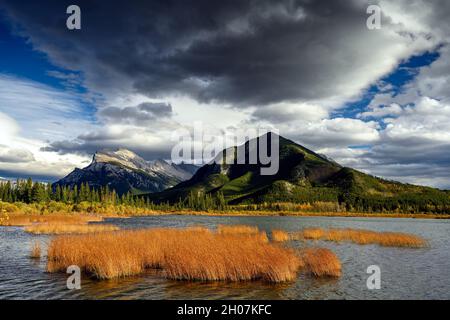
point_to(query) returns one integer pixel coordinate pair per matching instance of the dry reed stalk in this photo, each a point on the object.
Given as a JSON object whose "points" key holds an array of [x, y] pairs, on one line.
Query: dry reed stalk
{"points": [[387, 239], [36, 250], [242, 230], [237, 229], [280, 236], [61, 228], [313, 233], [29, 219], [189, 254], [320, 262]]}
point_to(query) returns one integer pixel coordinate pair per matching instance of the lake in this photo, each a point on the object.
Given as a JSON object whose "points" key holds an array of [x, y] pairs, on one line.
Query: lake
{"points": [[406, 273]]}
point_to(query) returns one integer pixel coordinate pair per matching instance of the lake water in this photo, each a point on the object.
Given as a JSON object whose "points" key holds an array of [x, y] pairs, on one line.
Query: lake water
{"points": [[405, 273]]}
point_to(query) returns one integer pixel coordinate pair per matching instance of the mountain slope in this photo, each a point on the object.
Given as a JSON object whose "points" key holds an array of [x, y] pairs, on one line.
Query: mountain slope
{"points": [[298, 166], [123, 171], [303, 177]]}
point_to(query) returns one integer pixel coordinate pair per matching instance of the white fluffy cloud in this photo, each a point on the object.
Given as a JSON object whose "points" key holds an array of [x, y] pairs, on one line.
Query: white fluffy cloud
{"points": [[382, 111], [428, 120], [339, 132], [31, 114], [41, 111], [413, 147]]}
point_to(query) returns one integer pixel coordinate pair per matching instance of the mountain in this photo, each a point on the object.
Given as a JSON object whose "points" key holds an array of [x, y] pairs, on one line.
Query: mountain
{"points": [[303, 177], [123, 171]]}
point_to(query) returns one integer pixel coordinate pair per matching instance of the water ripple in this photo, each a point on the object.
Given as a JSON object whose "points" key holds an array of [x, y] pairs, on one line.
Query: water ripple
{"points": [[406, 273]]}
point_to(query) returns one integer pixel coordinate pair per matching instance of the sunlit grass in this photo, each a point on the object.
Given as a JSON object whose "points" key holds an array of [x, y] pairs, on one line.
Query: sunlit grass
{"points": [[311, 234], [62, 228], [242, 230], [280, 235], [320, 262], [35, 250], [29, 219], [237, 229], [362, 237], [184, 254]]}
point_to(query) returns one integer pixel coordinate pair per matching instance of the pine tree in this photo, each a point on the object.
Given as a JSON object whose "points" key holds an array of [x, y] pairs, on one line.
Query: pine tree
{"points": [[73, 195], [65, 194], [35, 196], [58, 193], [221, 203], [49, 192], [28, 191]]}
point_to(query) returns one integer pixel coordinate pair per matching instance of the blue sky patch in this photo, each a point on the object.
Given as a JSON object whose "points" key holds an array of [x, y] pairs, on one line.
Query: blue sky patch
{"points": [[396, 80]]}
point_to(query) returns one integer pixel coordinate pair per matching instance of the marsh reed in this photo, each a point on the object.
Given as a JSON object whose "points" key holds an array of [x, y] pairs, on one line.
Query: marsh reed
{"points": [[183, 254], [237, 229], [280, 235], [62, 228], [320, 262], [362, 237], [35, 250], [242, 230], [21, 220]]}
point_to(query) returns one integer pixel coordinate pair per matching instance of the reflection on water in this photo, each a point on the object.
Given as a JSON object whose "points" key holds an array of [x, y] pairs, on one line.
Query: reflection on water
{"points": [[406, 273]]}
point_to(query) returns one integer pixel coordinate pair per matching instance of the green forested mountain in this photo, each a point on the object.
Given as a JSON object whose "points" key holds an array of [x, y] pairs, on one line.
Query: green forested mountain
{"points": [[305, 177]]}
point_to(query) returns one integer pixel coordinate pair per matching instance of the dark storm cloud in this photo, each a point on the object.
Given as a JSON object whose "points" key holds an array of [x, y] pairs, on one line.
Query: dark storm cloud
{"points": [[411, 151], [19, 174], [139, 115], [241, 52], [63, 147], [12, 155], [89, 147]]}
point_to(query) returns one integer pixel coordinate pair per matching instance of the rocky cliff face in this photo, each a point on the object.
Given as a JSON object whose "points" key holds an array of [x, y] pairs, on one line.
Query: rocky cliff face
{"points": [[123, 171]]}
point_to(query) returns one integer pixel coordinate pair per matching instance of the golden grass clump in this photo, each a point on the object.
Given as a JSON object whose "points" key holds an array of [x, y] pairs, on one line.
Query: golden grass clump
{"points": [[320, 262], [35, 250], [29, 219], [188, 254], [313, 233], [237, 229], [242, 230], [280, 236], [61, 228], [387, 239]]}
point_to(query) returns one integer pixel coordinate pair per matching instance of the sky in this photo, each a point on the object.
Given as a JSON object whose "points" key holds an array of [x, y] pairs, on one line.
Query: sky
{"points": [[375, 100]]}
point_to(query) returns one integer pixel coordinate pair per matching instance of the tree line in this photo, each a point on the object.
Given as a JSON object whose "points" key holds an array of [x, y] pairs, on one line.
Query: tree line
{"points": [[27, 191], [323, 199]]}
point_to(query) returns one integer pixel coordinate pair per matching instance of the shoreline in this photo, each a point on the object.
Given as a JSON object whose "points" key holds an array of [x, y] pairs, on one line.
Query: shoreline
{"points": [[4, 219], [287, 213]]}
